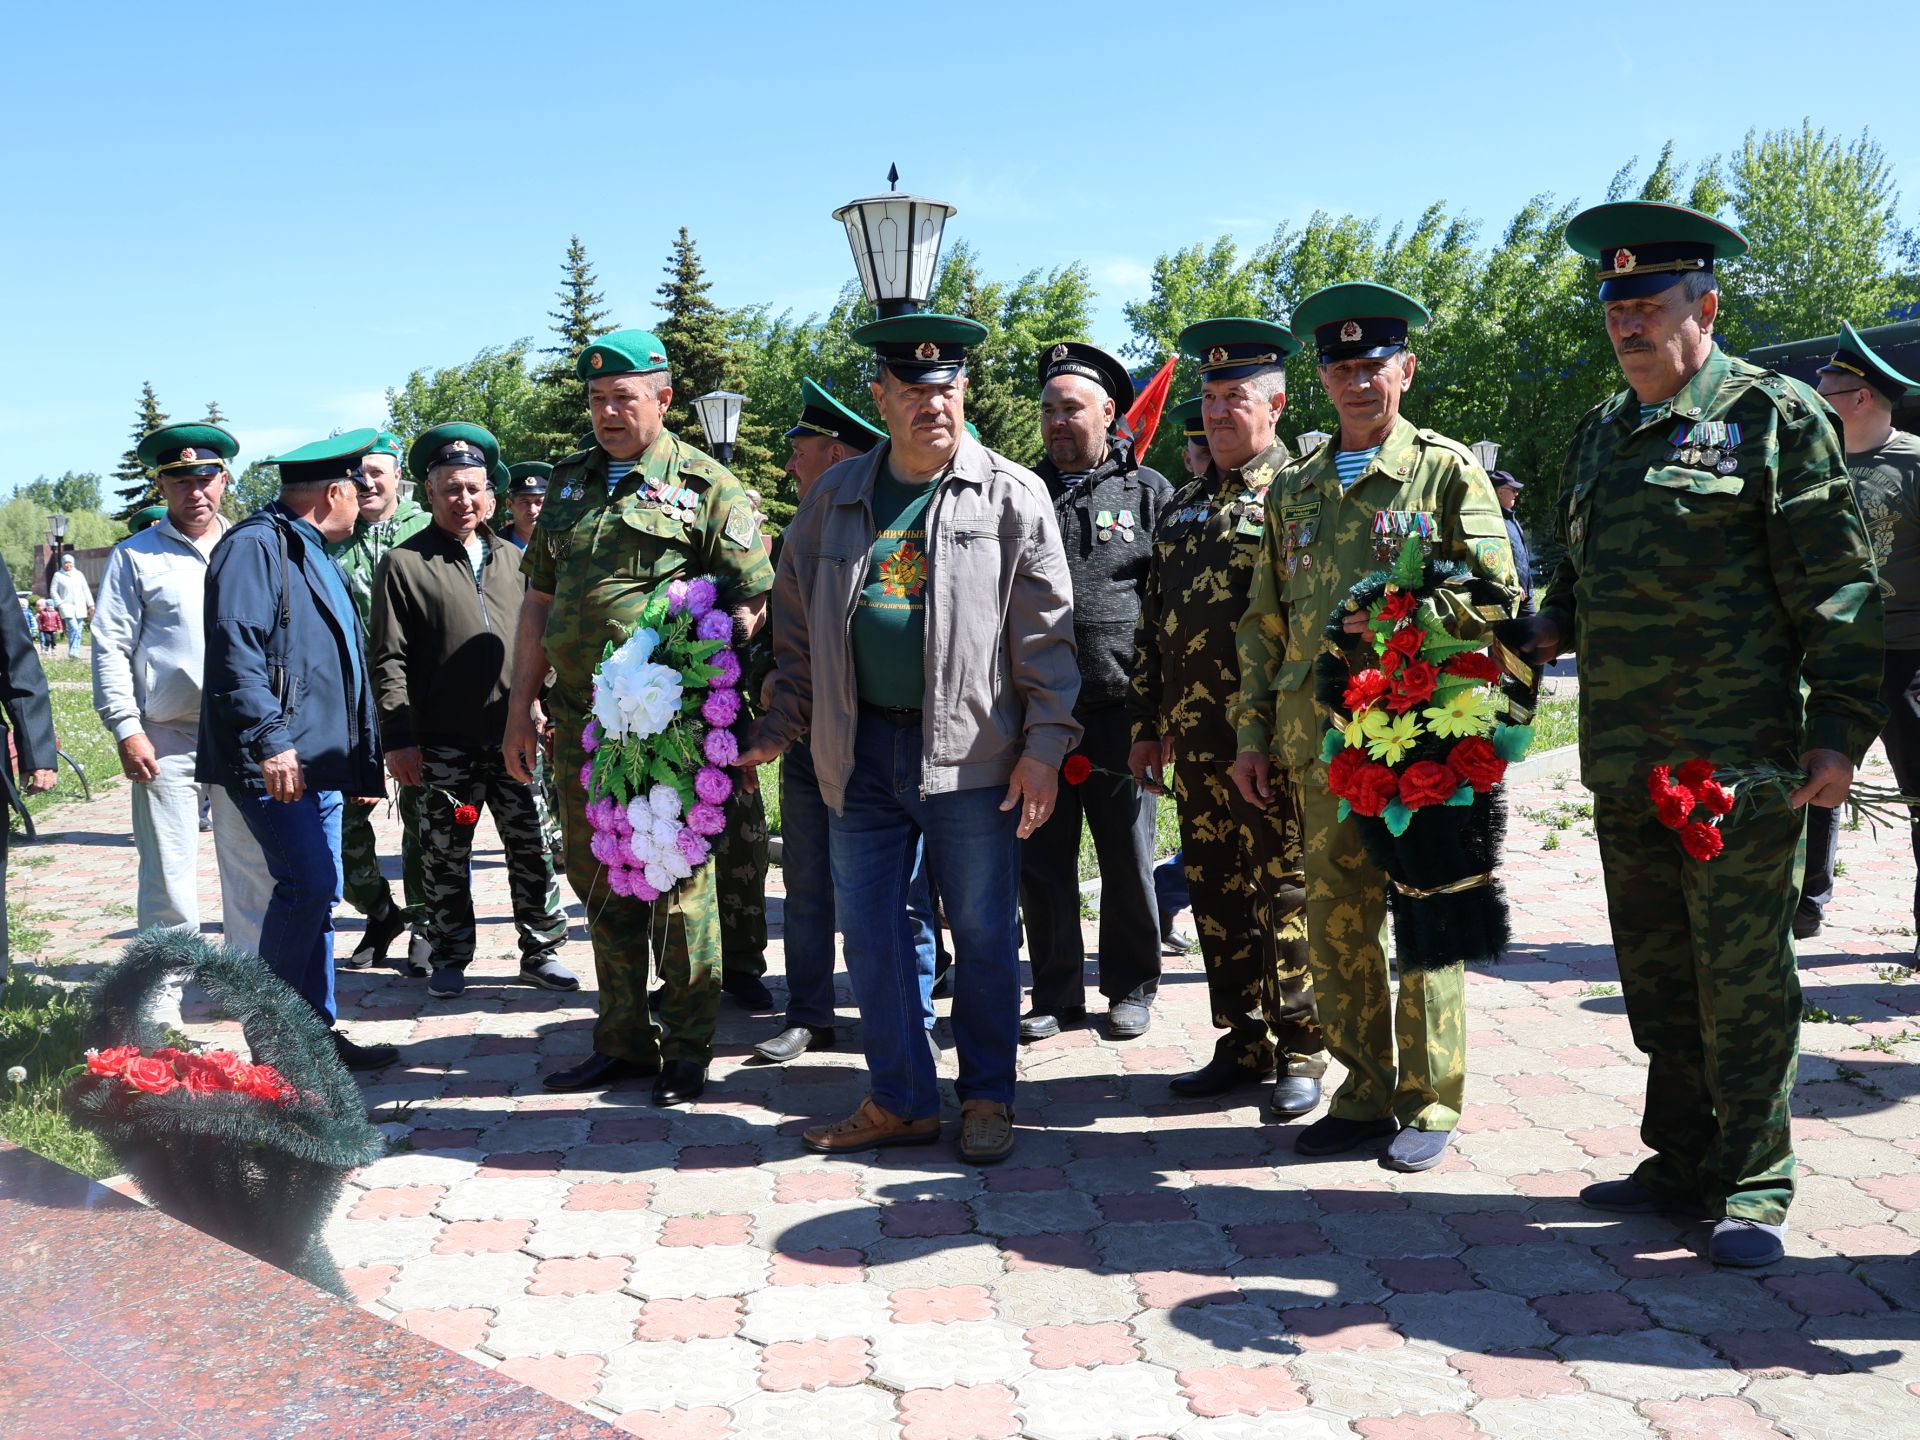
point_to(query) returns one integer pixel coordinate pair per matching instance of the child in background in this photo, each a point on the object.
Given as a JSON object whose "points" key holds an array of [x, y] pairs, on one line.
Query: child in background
{"points": [[51, 625]]}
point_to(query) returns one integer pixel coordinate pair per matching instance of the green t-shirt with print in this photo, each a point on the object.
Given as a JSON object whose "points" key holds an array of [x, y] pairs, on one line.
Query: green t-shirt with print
{"points": [[890, 620]]}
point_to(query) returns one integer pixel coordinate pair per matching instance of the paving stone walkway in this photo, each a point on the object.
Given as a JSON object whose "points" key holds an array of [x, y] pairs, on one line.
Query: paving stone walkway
{"points": [[1141, 1267]]}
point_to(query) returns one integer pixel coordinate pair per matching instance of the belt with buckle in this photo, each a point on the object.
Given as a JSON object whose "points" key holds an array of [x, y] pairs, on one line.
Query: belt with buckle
{"points": [[898, 716]]}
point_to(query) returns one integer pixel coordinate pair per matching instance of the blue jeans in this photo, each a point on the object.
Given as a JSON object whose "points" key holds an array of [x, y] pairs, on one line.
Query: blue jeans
{"points": [[1170, 891], [74, 624], [807, 923], [301, 844], [974, 859]]}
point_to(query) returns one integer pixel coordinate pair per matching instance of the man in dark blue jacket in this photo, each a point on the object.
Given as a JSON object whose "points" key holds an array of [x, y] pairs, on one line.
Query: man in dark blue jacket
{"points": [[286, 713]]}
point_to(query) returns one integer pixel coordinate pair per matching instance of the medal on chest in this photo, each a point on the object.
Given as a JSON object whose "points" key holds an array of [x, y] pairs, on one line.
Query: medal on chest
{"points": [[1107, 524], [1392, 527], [1706, 445]]}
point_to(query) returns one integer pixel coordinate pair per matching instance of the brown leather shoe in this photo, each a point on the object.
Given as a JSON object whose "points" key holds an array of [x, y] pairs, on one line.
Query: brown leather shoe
{"points": [[986, 1131], [871, 1128]]}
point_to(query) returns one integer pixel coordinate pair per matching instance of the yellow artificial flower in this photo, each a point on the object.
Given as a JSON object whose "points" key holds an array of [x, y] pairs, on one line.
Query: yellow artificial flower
{"points": [[1390, 737], [1467, 711], [1354, 732]]}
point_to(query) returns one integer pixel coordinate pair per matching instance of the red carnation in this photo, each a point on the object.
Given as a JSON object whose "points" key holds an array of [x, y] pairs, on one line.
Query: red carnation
{"points": [[1473, 665], [1717, 799], [1674, 806], [1407, 640], [151, 1074], [1342, 769], [1364, 691], [466, 816], [1076, 770], [1694, 774], [1398, 605], [1412, 686], [1427, 782], [1475, 761], [1702, 841], [1659, 781], [1373, 787]]}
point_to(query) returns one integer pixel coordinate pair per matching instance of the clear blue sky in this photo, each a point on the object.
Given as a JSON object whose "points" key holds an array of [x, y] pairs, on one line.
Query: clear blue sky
{"points": [[288, 208]]}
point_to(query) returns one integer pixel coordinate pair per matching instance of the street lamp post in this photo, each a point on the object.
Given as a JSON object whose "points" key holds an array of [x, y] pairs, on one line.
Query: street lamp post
{"points": [[719, 412], [56, 531], [896, 245], [1310, 441], [1487, 452]]}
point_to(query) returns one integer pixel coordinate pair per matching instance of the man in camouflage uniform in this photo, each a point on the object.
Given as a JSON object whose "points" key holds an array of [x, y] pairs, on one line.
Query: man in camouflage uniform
{"points": [[1406, 1072], [634, 510], [1242, 861], [386, 518], [1715, 565]]}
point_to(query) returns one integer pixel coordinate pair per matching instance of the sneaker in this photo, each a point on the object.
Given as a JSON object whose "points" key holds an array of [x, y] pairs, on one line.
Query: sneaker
{"points": [[986, 1131], [379, 934], [1414, 1150], [1628, 1197], [871, 1128], [418, 961], [448, 983], [549, 974], [1333, 1135], [1744, 1243]]}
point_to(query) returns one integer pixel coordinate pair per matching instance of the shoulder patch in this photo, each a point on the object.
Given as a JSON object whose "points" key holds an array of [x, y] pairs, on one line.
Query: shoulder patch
{"points": [[1447, 443], [741, 527], [1784, 392]]}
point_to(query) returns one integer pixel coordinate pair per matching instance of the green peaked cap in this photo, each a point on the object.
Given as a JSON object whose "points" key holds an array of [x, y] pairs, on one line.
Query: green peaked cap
{"points": [[922, 349], [1644, 246], [1187, 416], [456, 442], [141, 519], [1853, 356], [1231, 347], [1357, 319], [623, 352], [821, 414], [163, 447], [324, 462]]}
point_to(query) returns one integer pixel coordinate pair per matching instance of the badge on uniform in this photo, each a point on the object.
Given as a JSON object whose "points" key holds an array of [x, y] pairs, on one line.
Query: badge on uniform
{"points": [[741, 528]]}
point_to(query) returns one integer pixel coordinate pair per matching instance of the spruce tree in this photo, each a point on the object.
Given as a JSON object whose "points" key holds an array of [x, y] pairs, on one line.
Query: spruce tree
{"points": [[560, 400], [1008, 419], [136, 485], [213, 415]]}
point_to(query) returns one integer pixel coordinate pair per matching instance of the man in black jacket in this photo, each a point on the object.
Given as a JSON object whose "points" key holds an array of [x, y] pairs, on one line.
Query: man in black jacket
{"points": [[23, 693], [286, 713], [1107, 505], [445, 603]]}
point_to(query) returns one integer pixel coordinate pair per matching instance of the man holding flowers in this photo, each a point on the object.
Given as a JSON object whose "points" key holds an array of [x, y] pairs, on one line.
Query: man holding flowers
{"points": [[1332, 519]]}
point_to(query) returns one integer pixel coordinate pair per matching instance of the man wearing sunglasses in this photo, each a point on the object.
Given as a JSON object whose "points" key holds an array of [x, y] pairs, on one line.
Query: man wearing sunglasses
{"points": [[286, 713], [1884, 464]]}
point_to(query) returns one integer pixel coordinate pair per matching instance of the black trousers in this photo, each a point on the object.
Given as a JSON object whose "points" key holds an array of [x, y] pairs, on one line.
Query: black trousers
{"points": [[1902, 739], [1119, 815]]}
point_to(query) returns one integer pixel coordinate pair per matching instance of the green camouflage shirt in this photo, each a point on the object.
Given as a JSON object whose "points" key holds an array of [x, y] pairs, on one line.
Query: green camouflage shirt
{"points": [[359, 555], [1320, 543], [1886, 485], [678, 512], [1204, 547], [1706, 574]]}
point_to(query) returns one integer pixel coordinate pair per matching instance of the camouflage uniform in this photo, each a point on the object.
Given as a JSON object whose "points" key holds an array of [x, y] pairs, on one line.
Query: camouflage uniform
{"points": [[364, 887], [1318, 543], [1698, 593], [1242, 864], [598, 556], [453, 777]]}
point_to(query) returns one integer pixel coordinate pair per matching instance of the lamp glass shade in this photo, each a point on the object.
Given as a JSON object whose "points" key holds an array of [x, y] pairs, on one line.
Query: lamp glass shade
{"points": [[719, 412], [1487, 452], [896, 247], [1310, 441], [57, 527]]}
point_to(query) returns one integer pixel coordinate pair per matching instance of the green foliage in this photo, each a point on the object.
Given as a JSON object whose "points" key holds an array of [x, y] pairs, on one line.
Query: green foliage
{"points": [[76, 725], [23, 525], [43, 1030], [133, 482], [492, 389], [558, 416], [253, 487], [213, 415], [72, 491]]}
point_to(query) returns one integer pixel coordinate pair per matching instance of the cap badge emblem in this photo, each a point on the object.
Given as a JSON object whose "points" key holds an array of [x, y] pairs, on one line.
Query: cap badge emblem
{"points": [[1624, 260], [1217, 355], [1349, 332], [1059, 353], [189, 454], [926, 350], [595, 360]]}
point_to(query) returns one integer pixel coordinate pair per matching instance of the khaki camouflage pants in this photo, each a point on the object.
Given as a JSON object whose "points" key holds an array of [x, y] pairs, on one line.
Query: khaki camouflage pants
{"points": [[681, 932], [740, 864], [1405, 1058], [1708, 970], [1243, 874], [364, 887], [459, 777]]}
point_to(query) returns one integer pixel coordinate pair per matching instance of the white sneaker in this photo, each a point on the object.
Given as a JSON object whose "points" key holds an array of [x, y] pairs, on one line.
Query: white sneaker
{"points": [[164, 1008]]}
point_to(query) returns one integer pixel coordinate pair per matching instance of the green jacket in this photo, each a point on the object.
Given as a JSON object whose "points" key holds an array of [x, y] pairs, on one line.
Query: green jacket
{"points": [[360, 554], [600, 554], [1700, 593], [1319, 543]]}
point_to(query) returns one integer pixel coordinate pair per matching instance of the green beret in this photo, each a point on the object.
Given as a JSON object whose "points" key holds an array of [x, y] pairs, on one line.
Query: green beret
{"points": [[458, 443], [325, 462], [624, 352], [168, 447], [388, 444]]}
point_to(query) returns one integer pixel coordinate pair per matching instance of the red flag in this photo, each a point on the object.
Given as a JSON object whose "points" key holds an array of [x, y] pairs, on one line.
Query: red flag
{"points": [[1143, 416]]}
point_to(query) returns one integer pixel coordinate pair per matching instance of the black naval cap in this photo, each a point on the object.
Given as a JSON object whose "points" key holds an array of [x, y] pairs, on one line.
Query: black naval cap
{"points": [[1646, 246], [922, 349], [1089, 362], [1855, 357], [529, 477], [821, 414]]}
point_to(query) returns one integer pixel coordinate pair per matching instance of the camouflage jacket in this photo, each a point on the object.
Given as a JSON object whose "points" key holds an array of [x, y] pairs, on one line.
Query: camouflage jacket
{"points": [[1706, 574], [677, 513], [360, 554], [1320, 542], [1204, 549]]}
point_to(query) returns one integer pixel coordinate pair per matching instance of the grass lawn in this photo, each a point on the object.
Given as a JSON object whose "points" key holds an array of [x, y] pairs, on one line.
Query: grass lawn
{"points": [[1556, 723]]}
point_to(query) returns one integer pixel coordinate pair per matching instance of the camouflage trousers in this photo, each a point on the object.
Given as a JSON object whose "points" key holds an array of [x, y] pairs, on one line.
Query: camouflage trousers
{"points": [[479, 778], [1405, 1057], [1243, 872], [1708, 971], [740, 864], [680, 932], [543, 805], [364, 887]]}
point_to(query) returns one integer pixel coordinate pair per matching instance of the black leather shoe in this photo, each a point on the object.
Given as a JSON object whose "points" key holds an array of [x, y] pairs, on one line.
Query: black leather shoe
{"points": [[1129, 1019], [1293, 1096], [749, 992], [1806, 922], [1216, 1077], [598, 1071], [794, 1041], [1332, 1135], [379, 934], [680, 1082], [363, 1057], [1038, 1024]]}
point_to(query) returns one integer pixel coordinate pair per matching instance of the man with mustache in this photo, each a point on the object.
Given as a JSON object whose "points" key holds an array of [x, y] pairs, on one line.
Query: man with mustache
{"points": [[1714, 564]]}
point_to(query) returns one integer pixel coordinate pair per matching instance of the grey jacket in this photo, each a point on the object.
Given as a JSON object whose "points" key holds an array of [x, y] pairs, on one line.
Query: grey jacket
{"points": [[1001, 677], [149, 642]]}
